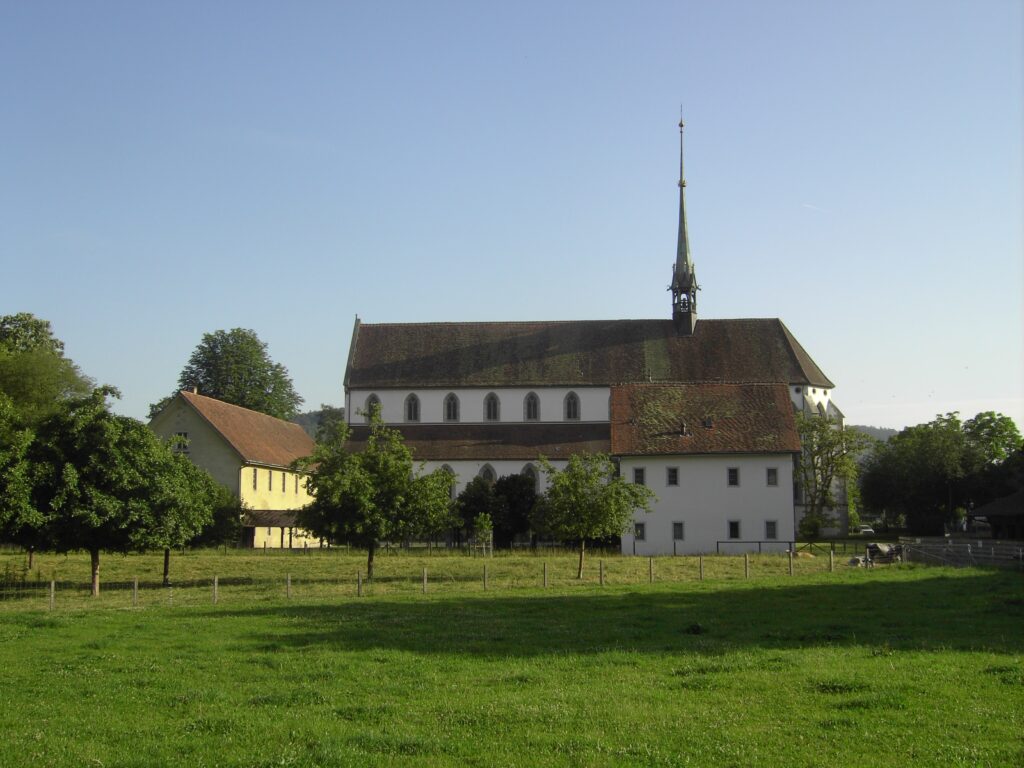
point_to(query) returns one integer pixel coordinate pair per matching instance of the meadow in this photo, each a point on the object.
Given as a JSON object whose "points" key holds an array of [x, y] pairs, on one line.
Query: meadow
{"points": [[891, 665]]}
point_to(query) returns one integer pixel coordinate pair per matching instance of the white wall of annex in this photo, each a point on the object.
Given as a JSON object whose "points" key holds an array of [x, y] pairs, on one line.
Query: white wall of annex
{"points": [[594, 404], [705, 503]]}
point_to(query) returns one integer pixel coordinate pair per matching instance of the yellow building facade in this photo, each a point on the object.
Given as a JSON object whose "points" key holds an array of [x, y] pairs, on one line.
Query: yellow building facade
{"points": [[249, 453]]}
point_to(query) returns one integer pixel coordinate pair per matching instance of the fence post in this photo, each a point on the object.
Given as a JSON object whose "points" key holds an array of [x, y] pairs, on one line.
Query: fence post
{"points": [[791, 562], [215, 580], [832, 561], [600, 571], [700, 563], [288, 586], [545, 574], [135, 593], [485, 577], [53, 591], [424, 580], [650, 570], [359, 583], [746, 566]]}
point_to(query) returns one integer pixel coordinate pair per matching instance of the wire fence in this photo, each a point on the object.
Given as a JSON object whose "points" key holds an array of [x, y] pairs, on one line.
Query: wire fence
{"points": [[216, 578]]}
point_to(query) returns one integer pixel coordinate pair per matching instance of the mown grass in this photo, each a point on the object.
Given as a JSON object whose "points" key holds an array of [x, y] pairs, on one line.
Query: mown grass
{"points": [[901, 665]]}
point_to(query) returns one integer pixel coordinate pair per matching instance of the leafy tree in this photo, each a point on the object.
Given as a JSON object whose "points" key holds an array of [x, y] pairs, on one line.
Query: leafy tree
{"points": [[24, 332], [15, 482], [226, 524], [828, 460], [515, 497], [234, 366], [588, 500], [476, 499], [34, 373], [373, 495], [103, 482], [928, 471]]}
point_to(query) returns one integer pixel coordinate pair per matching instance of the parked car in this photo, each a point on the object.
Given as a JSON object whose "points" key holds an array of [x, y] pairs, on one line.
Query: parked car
{"points": [[865, 530]]}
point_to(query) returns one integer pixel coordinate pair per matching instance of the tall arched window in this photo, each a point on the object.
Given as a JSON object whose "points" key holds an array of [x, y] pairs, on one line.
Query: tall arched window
{"points": [[531, 407], [530, 472], [412, 408], [488, 474], [492, 408], [372, 403], [451, 407], [572, 407], [453, 480]]}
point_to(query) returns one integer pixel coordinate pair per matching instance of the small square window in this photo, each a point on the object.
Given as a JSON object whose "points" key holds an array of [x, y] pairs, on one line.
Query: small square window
{"points": [[733, 475], [181, 442], [773, 476], [771, 529], [678, 532], [639, 476], [672, 476], [734, 529], [639, 531]]}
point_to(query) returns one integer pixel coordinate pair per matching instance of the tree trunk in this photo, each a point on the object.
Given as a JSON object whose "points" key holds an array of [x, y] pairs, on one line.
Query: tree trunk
{"points": [[369, 560], [579, 571], [31, 556], [167, 566], [94, 555]]}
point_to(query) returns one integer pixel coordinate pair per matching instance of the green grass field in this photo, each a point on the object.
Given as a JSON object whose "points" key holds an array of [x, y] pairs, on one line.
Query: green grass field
{"points": [[890, 666]]}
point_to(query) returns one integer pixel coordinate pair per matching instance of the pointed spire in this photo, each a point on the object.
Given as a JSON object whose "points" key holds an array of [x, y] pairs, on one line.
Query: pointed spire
{"points": [[684, 279]]}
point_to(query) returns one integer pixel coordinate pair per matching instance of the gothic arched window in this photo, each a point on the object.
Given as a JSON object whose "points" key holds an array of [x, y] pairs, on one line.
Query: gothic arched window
{"points": [[453, 482], [412, 408], [530, 472], [572, 407], [372, 404], [492, 408], [451, 407], [488, 474], [531, 407]]}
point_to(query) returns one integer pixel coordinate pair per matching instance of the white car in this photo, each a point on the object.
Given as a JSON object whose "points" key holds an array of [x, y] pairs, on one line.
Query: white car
{"points": [[865, 530]]}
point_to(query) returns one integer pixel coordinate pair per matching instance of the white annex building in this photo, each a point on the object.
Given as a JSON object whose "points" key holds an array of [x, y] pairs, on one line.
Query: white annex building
{"points": [[700, 411]]}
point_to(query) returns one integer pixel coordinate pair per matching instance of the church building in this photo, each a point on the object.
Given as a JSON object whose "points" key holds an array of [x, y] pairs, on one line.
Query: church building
{"points": [[699, 410]]}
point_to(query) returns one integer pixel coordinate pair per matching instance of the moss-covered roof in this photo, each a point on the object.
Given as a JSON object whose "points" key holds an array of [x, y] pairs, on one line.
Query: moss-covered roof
{"points": [[576, 353]]}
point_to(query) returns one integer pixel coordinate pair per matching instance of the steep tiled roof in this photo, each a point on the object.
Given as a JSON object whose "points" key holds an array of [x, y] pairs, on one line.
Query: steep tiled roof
{"points": [[702, 418], [492, 442], [576, 353], [258, 438]]}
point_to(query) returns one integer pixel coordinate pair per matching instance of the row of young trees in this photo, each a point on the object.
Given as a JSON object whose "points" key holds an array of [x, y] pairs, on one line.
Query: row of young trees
{"points": [[379, 494], [74, 475]]}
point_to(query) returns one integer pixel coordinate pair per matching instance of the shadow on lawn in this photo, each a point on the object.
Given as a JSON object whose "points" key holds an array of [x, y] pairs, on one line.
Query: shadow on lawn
{"points": [[981, 612]]}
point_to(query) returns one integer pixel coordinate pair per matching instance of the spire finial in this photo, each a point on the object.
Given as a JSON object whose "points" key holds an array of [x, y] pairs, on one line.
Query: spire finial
{"points": [[684, 280]]}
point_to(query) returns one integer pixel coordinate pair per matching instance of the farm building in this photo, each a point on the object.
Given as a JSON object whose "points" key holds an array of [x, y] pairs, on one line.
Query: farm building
{"points": [[249, 453], [701, 411]]}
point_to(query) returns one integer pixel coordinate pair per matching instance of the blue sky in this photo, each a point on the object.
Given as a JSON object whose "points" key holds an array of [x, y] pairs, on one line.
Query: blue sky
{"points": [[854, 168]]}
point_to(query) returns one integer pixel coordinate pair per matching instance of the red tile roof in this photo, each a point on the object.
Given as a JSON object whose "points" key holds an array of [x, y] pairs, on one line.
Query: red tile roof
{"points": [[257, 437], [493, 442], [575, 353], [649, 419]]}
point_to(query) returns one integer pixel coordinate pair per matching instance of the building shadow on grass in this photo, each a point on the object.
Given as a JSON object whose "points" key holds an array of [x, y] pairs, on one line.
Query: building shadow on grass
{"points": [[980, 612]]}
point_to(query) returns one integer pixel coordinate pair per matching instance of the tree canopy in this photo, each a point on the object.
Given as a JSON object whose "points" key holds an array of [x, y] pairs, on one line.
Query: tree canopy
{"points": [[828, 463], [588, 500], [103, 482], [234, 366], [373, 495], [930, 474], [34, 373]]}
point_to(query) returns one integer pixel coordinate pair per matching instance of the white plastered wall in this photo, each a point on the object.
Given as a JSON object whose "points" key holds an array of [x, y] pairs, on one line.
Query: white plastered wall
{"points": [[705, 503]]}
